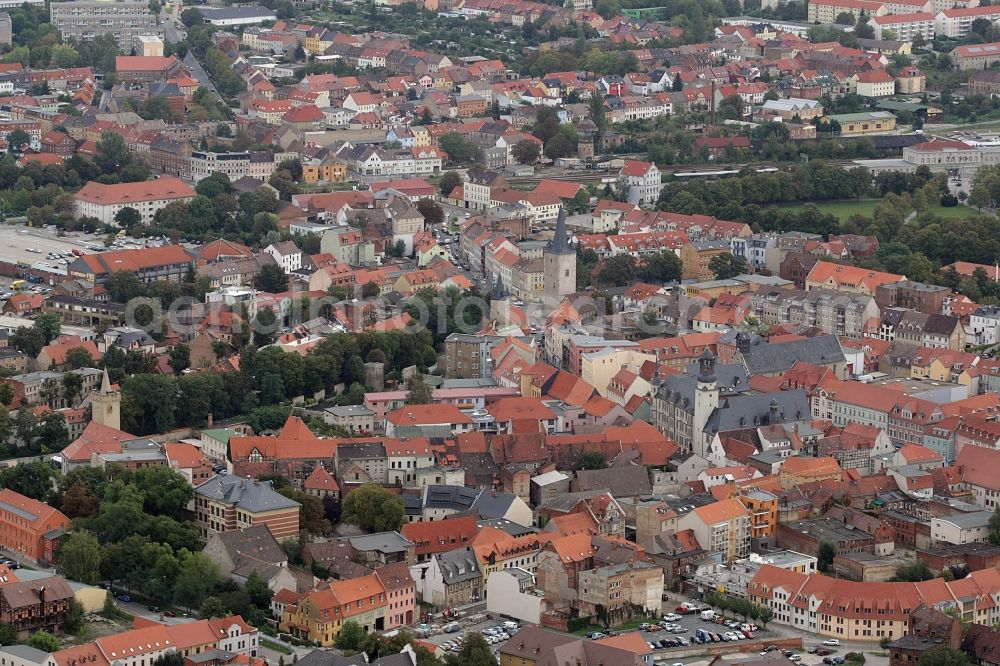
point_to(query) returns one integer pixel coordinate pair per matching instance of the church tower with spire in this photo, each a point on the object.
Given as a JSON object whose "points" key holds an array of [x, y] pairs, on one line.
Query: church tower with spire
{"points": [[499, 302], [106, 405], [559, 264]]}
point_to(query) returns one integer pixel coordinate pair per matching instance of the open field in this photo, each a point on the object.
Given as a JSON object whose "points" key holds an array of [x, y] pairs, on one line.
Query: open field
{"points": [[844, 209]]}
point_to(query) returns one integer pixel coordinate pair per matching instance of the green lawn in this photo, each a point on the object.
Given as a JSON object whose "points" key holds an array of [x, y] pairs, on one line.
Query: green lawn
{"points": [[274, 646], [844, 209]]}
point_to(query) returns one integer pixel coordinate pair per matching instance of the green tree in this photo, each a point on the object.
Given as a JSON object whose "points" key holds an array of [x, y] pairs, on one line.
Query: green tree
{"points": [[180, 358], [913, 571], [214, 607], [731, 107], [431, 210], [31, 479], [764, 615], [271, 279], [198, 576], [76, 358], [373, 508], [258, 592], [80, 557], [449, 181], [460, 150], [827, 551], [661, 267], [592, 460], [727, 266], [49, 324], [526, 152], [558, 146], [17, 140], [351, 636], [44, 641], [942, 655], [123, 286], [191, 17], [475, 652], [8, 634], [994, 527], [420, 393]]}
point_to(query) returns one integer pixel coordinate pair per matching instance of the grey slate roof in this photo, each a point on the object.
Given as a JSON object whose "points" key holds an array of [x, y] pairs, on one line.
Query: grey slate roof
{"points": [[493, 505], [458, 565], [748, 410], [627, 481], [731, 379], [383, 542], [246, 494], [458, 498], [821, 350], [253, 543], [26, 653]]}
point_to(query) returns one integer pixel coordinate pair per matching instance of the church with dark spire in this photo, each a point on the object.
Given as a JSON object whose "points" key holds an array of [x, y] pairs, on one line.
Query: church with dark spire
{"points": [[499, 302], [559, 263]]}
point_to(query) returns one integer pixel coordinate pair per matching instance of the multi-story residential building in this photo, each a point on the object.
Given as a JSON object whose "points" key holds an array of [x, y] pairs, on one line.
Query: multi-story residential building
{"points": [[753, 248], [30, 528], [103, 202], [29, 606], [169, 263], [763, 508], [721, 527], [621, 588], [468, 356], [83, 20], [906, 27], [827, 11], [225, 503], [956, 23], [975, 56], [827, 275], [697, 256], [927, 298], [642, 181], [451, 579], [865, 611], [984, 325], [835, 312]]}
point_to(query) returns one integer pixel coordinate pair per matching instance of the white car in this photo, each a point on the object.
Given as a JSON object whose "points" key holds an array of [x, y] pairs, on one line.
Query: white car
{"points": [[671, 617], [795, 657], [831, 641]]}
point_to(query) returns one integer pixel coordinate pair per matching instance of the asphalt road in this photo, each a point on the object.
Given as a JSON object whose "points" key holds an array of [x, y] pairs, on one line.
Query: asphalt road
{"points": [[200, 75]]}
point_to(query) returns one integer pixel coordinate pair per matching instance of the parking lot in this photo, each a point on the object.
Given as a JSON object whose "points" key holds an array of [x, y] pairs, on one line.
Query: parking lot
{"points": [[17, 244], [687, 627]]}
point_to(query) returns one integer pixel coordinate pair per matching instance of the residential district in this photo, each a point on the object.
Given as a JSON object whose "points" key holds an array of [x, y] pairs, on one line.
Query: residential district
{"points": [[499, 332]]}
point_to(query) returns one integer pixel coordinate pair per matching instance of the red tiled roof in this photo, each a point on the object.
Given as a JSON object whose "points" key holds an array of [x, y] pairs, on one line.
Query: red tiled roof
{"points": [[161, 189]]}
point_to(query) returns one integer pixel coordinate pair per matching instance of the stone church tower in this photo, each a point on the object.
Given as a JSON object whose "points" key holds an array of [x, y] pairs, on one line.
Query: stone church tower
{"points": [[499, 303], [106, 405], [559, 264]]}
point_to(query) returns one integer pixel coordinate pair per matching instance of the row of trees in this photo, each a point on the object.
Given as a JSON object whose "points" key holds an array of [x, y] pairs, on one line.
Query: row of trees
{"points": [[130, 528], [742, 607], [219, 210], [268, 377]]}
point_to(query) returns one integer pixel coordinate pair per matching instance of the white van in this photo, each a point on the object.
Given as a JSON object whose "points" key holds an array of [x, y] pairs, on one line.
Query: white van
{"points": [[708, 615]]}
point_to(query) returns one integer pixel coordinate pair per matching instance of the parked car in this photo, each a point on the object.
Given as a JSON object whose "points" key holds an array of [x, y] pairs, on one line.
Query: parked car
{"points": [[795, 658], [831, 641], [124, 598]]}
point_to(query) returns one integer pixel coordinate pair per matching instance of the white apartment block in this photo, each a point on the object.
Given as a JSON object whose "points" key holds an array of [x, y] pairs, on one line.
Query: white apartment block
{"points": [[956, 23], [104, 201]]}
